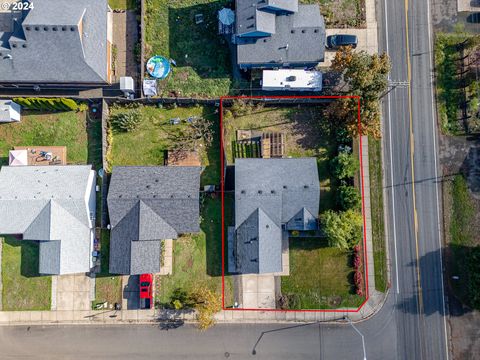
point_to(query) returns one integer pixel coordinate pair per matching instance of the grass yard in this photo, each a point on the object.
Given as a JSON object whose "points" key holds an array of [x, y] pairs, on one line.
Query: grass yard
{"points": [[57, 129], [378, 225], [197, 258], [148, 143], [320, 277], [340, 13], [453, 92], [202, 57], [123, 4], [108, 288], [23, 287]]}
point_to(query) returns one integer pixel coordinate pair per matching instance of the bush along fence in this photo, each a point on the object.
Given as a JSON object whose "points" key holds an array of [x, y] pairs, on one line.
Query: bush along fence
{"points": [[51, 104]]}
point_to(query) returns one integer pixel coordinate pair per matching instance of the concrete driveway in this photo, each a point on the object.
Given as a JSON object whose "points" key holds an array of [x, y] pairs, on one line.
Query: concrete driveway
{"points": [[258, 291], [71, 292]]}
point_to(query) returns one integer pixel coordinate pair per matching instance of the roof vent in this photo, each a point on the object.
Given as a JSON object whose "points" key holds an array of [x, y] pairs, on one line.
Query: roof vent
{"points": [[315, 31], [24, 46], [37, 28], [292, 31], [28, 28], [148, 186], [14, 45], [242, 192], [284, 186], [305, 186], [260, 191], [303, 31], [272, 191], [64, 28], [45, 28], [267, 226], [54, 28], [72, 29]]}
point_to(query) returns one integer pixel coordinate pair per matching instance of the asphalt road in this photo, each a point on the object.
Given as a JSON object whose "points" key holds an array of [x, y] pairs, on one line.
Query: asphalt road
{"points": [[410, 144]]}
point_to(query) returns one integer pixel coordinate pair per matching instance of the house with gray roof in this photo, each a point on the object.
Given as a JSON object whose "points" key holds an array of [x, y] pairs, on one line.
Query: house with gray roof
{"points": [[55, 206], [278, 33], [272, 196], [147, 204], [55, 42]]}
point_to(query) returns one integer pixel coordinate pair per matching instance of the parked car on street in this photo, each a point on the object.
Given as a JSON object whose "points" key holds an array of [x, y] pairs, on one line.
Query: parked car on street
{"points": [[338, 40]]}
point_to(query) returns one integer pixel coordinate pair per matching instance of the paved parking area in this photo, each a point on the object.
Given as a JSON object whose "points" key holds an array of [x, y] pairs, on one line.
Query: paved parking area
{"points": [[72, 292], [258, 291]]}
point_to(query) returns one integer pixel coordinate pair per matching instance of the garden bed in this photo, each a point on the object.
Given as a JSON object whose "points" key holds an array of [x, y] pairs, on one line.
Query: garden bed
{"points": [[341, 13]]}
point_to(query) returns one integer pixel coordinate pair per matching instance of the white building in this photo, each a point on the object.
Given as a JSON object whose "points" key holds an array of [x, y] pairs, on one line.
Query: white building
{"points": [[291, 79], [9, 111]]}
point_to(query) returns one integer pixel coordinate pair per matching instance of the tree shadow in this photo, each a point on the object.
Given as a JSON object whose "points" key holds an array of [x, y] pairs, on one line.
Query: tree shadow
{"points": [[211, 173], [461, 283]]}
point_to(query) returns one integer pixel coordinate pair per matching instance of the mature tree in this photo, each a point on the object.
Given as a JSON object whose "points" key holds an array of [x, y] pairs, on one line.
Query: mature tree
{"points": [[366, 77], [348, 197], [344, 165], [208, 303], [198, 131], [343, 229]]}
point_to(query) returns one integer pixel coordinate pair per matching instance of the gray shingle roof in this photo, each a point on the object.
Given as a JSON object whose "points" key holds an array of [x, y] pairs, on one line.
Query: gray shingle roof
{"points": [[146, 205], [57, 41], [303, 32], [42, 204], [276, 191]]}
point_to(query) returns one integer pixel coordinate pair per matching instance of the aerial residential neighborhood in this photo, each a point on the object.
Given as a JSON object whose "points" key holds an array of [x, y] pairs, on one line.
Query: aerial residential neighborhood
{"points": [[202, 179]]}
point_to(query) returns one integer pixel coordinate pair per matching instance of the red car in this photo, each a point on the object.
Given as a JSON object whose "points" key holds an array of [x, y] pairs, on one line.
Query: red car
{"points": [[146, 291]]}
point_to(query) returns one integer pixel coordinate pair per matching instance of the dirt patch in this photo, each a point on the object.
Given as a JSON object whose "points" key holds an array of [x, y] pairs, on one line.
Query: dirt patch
{"points": [[341, 13]]}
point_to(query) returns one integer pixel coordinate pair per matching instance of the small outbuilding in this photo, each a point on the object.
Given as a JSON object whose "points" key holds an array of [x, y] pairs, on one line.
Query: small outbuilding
{"points": [[9, 111], [291, 80]]}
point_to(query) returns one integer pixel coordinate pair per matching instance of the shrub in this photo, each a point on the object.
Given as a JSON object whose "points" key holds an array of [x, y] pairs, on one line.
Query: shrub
{"points": [[126, 121], [343, 229], [344, 165], [359, 284], [348, 197], [51, 104], [207, 304]]}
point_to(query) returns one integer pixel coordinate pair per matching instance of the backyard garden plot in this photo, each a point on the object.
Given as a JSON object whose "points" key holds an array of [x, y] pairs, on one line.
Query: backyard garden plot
{"points": [[55, 129], [457, 60], [341, 13], [326, 270], [201, 55]]}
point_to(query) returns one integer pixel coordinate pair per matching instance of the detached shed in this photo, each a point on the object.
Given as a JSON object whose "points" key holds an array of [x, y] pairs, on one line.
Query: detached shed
{"points": [[9, 111], [291, 79]]}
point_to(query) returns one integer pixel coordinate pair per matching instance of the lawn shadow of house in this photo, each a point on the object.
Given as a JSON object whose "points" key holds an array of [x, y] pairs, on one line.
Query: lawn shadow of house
{"points": [[194, 40], [29, 255]]}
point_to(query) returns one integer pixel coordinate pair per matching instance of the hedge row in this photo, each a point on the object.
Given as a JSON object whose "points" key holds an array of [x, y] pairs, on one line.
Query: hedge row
{"points": [[50, 104]]}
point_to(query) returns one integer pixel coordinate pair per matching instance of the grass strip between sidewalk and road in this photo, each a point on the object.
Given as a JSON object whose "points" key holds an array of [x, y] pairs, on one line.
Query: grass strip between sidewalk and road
{"points": [[376, 203]]}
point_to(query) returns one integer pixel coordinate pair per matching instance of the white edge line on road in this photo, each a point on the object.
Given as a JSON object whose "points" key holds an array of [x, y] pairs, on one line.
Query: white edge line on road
{"points": [[429, 25], [391, 160]]}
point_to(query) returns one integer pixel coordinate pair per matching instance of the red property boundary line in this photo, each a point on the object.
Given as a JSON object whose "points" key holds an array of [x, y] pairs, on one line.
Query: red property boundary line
{"points": [[222, 189]]}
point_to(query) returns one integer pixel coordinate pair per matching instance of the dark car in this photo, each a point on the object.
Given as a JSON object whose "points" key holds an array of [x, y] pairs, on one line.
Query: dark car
{"points": [[336, 41]]}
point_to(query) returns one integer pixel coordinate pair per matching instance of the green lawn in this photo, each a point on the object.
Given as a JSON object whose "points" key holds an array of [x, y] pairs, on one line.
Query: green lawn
{"points": [[378, 225], [56, 129], [320, 277], [23, 287], [197, 257], [203, 61], [123, 4], [107, 287], [341, 13]]}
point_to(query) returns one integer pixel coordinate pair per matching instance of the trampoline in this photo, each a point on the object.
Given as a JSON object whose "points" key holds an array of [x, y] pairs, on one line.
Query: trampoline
{"points": [[158, 67]]}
